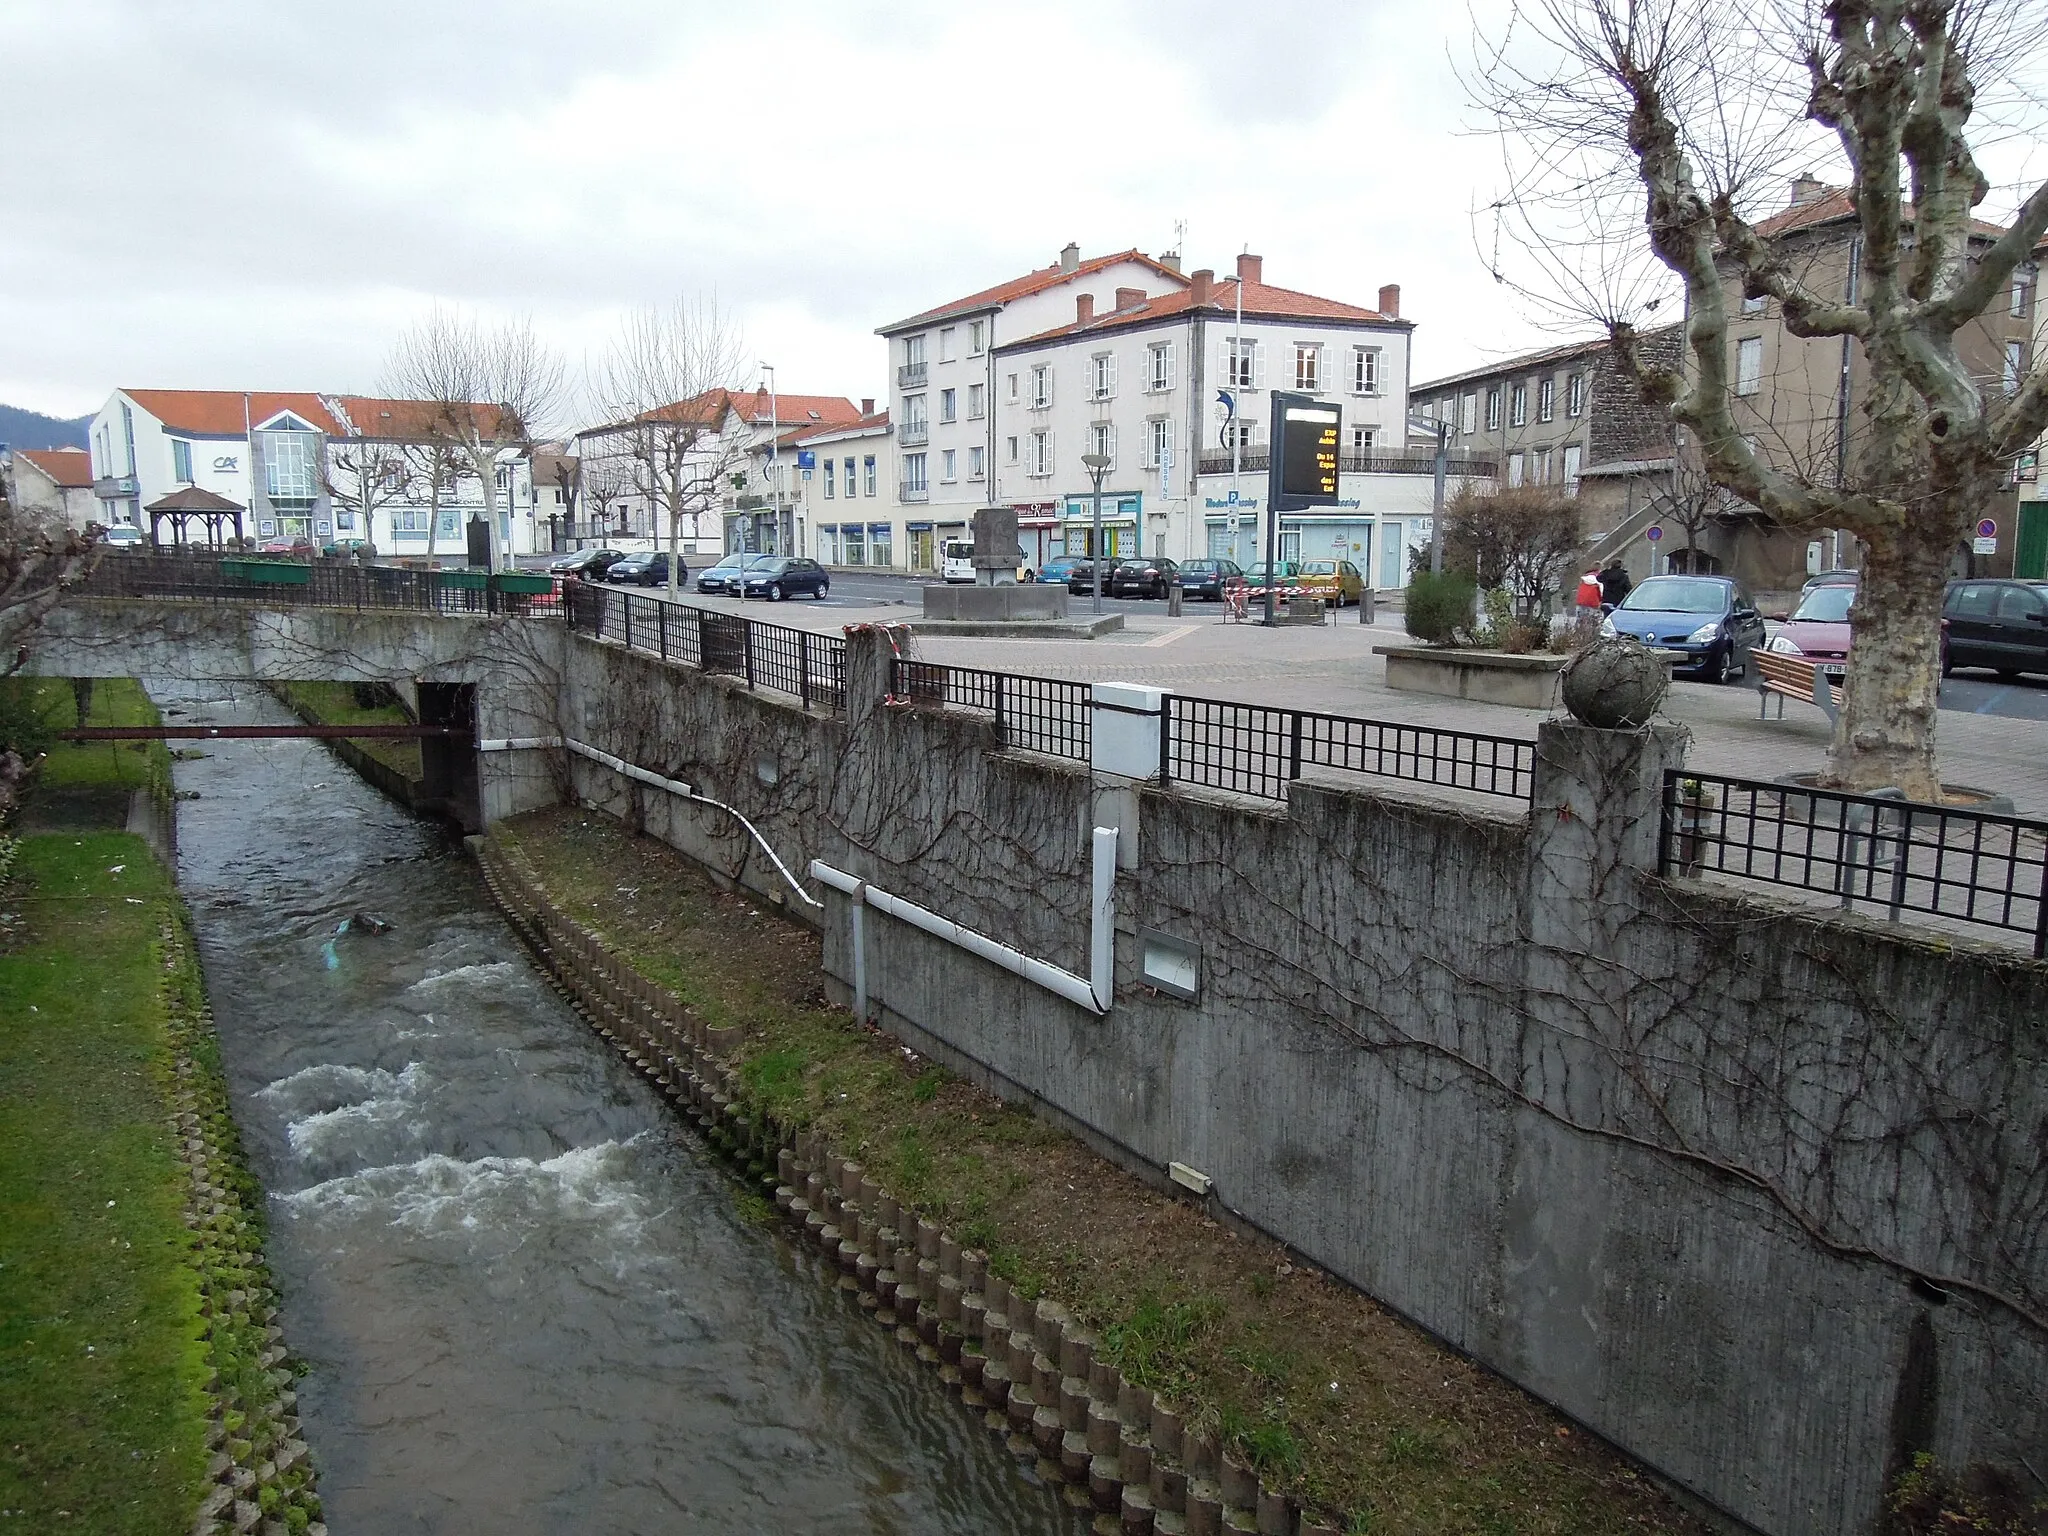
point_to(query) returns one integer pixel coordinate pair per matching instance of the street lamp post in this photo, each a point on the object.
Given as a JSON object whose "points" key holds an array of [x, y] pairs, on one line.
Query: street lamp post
{"points": [[1442, 428], [1098, 466], [774, 463]]}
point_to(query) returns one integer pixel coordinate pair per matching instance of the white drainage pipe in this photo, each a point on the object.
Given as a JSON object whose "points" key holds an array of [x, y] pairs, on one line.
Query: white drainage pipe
{"points": [[1095, 992]]}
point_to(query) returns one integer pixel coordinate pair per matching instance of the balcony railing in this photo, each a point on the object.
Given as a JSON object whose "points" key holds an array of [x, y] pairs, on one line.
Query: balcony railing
{"points": [[920, 492], [914, 434], [1353, 464], [910, 376]]}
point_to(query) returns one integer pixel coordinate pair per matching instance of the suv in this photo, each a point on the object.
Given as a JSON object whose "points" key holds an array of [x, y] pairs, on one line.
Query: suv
{"points": [[776, 579], [2000, 624]]}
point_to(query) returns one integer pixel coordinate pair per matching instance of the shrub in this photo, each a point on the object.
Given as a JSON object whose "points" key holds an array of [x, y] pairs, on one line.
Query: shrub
{"points": [[1438, 608]]}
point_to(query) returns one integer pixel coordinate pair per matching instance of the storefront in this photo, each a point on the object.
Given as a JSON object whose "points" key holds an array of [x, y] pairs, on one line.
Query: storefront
{"points": [[857, 543], [1120, 514], [923, 547], [1038, 531]]}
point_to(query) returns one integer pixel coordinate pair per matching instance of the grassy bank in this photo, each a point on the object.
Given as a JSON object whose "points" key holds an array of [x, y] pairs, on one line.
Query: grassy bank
{"points": [[1324, 1391], [337, 704], [102, 1370], [92, 765]]}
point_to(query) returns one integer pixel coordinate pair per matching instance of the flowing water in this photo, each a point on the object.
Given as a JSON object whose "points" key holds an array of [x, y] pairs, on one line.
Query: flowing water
{"points": [[530, 1304]]}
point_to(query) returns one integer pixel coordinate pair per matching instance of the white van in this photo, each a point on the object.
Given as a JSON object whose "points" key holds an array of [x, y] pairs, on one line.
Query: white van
{"points": [[956, 560], [123, 536]]}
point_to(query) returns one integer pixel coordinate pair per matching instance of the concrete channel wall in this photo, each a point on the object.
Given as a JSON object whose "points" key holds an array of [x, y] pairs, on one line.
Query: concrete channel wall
{"points": [[1752, 1191]]}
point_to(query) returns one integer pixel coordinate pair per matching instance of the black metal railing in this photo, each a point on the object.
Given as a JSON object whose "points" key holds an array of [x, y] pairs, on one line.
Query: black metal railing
{"points": [[1869, 852], [808, 667], [1251, 749], [212, 578], [1032, 714]]}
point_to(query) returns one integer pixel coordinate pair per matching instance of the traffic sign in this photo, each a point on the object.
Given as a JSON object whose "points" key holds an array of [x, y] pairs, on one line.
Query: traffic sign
{"points": [[1987, 527], [1654, 535]]}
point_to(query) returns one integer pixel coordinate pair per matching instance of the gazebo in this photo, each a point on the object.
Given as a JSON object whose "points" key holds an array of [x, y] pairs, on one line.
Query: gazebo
{"points": [[192, 503]]}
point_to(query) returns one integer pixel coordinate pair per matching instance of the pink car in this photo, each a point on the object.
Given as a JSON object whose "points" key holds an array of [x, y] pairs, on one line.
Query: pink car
{"points": [[1819, 627]]}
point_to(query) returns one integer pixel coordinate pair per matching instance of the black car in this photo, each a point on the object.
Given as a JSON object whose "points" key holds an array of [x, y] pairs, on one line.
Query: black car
{"points": [[1998, 624], [1708, 620], [726, 575], [1141, 578], [780, 576], [590, 564], [645, 570], [1208, 578], [1081, 577]]}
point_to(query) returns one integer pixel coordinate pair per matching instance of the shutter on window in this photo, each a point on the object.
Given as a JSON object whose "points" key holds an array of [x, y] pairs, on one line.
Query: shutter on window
{"points": [[1258, 366], [1109, 374], [1169, 365]]}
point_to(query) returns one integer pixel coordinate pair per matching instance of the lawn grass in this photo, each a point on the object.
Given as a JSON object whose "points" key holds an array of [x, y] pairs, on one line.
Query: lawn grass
{"points": [[102, 1370], [91, 765], [335, 704], [1329, 1395]]}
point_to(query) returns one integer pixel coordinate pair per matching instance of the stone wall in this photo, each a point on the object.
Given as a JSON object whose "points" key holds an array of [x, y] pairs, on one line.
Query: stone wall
{"points": [[1698, 1169]]}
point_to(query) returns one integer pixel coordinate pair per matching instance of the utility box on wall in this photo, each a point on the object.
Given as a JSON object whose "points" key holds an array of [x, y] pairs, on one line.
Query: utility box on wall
{"points": [[1124, 731]]}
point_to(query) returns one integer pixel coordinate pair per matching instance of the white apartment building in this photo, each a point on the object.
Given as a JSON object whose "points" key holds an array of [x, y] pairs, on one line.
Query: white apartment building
{"points": [[844, 502], [197, 466]]}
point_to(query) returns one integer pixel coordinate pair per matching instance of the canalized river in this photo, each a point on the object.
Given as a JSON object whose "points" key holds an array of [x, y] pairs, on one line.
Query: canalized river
{"points": [[529, 1303]]}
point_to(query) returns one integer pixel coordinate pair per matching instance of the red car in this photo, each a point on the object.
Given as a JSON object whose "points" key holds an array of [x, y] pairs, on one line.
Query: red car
{"points": [[1819, 627], [287, 546]]}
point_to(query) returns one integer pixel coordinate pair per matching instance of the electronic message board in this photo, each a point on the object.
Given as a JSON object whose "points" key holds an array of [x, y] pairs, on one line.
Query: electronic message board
{"points": [[1305, 437]]}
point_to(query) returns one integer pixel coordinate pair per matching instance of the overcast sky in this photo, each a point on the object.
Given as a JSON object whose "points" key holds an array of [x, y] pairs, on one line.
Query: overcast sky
{"points": [[245, 195]]}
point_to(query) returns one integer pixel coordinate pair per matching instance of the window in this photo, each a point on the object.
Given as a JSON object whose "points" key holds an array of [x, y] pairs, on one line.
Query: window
{"points": [[914, 472], [1243, 367], [881, 544], [1468, 412], [288, 461], [946, 462], [977, 337], [855, 539], [1539, 466], [1012, 389], [1518, 406], [181, 460], [913, 351], [1241, 432], [2015, 365], [828, 480], [1102, 375], [1575, 395], [1102, 440], [2019, 296], [1361, 442], [1040, 462], [974, 463], [1009, 450], [410, 521], [1571, 469], [828, 543], [1308, 366], [948, 405], [1159, 367], [867, 472], [1158, 441], [1041, 386], [1546, 398], [1365, 370], [1749, 365], [977, 401], [946, 343], [1514, 470], [1753, 303], [1493, 409]]}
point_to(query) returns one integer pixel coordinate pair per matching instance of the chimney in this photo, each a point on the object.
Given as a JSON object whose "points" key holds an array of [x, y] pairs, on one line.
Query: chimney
{"points": [[1084, 308], [1199, 286], [1070, 259], [1807, 188], [1170, 260], [867, 405], [1251, 268], [1129, 298], [1390, 301]]}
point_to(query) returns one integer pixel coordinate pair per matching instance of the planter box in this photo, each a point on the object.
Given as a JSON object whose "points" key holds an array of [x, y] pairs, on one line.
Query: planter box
{"points": [[281, 573], [526, 584], [1490, 677], [467, 581]]}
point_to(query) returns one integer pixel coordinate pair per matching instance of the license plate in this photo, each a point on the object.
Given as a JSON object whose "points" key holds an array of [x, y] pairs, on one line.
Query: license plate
{"points": [[1836, 672]]}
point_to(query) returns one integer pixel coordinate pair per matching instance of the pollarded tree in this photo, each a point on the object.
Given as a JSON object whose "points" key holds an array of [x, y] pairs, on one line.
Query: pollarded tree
{"points": [[1698, 106], [1525, 541]]}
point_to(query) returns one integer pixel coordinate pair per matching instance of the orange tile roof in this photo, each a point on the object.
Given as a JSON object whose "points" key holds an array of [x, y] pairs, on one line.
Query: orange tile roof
{"points": [[228, 412], [1262, 301], [1030, 283], [827, 428], [1836, 204], [69, 468], [790, 410]]}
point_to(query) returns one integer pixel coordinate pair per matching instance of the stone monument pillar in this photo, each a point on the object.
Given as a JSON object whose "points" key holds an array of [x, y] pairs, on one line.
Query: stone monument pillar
{"points": [[996, 552]]}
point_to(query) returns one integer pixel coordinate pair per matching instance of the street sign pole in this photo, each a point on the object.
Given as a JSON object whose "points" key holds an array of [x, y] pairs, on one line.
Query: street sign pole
{"points": [[1301, 472]]}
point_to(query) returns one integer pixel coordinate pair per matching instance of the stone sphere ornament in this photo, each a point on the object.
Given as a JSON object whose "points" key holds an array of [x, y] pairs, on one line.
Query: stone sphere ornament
{"points": [[1616, 684]]}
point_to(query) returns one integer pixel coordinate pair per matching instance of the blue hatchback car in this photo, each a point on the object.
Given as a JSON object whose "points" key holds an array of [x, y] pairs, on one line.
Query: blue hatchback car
{"points": [[1708, 620]]}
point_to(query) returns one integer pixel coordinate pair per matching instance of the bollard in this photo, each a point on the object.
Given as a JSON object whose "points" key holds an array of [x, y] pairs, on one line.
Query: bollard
{"points": [[1365, 606], [1173, 601]]}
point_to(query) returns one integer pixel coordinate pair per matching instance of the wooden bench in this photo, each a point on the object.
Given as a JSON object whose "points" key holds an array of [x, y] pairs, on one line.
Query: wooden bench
{"points": [[1793, 677]]}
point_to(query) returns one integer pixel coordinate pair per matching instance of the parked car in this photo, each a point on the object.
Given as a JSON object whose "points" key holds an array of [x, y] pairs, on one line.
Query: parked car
{"points": [[1709, 621], [1828, 578], [1081, 577], [1139, 578], [343, 549], [645, 570], [1998, 624], [1258, 577], [1059, 568], [1334, 581], [1206, 578], [590, 564], [1819, 626], [778, 577], [123, 536], [726, 575], [286, 546]]}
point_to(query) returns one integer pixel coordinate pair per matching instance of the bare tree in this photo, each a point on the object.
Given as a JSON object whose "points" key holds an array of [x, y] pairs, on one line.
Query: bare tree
{"points": [[487, 390], [38, 564], [1693, 501], [1524, 541], [436, 468], [665, 389], [604, 485], [1684, 110], [362, 475]]}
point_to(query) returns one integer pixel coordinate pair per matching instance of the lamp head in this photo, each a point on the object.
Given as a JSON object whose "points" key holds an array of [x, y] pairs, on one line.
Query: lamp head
{"points": [[1095, 461]]}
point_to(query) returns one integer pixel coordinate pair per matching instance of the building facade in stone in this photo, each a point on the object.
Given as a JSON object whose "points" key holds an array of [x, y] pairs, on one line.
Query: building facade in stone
{"points": [[51, 487]]}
